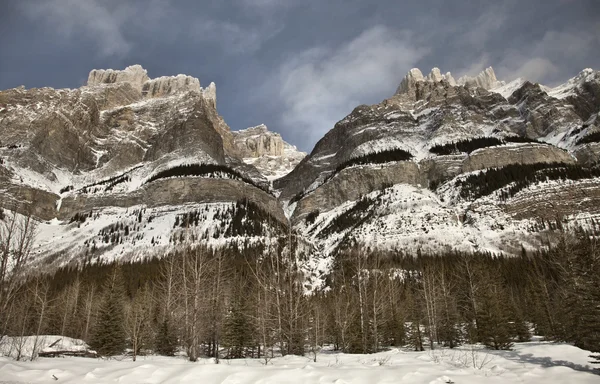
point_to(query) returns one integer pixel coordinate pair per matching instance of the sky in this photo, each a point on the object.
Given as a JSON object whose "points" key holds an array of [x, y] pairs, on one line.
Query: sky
{"points": [[298, 66]]}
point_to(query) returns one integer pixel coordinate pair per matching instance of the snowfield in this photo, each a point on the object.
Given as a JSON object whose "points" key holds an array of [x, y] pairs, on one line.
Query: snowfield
{"points": [[531, 362]]}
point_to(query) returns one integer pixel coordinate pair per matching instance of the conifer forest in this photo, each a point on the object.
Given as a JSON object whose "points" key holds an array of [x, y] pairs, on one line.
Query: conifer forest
{"points": [[251, 302]]}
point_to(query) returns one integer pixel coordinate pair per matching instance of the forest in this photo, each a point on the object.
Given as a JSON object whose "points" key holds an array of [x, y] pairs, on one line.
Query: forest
{"points": [[251, 301], [520, 176], [202, 170], [590, 138], [470, 145]]}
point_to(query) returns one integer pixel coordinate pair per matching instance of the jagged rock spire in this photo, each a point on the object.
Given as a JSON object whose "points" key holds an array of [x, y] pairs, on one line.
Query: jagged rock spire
{"points": [[486, 79], [407, 86]]}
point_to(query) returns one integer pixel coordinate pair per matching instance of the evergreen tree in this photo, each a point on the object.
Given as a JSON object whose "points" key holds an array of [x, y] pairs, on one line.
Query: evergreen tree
{"points": [[166, 339], [109, 337], [494, 325], [238, 330]]}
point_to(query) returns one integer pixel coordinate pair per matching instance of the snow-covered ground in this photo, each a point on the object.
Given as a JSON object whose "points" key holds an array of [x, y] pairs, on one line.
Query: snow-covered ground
{"points": [[532, 362]]}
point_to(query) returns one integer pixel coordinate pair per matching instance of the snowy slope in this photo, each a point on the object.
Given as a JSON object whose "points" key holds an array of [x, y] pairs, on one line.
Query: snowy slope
{"points": [[529, 363]]}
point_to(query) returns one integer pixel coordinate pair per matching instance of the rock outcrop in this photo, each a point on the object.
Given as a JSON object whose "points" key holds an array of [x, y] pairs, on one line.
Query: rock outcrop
{"points": [[414, 76], [258, 141], [267, 151], [486, 80], [169, 85], [134, 75]]}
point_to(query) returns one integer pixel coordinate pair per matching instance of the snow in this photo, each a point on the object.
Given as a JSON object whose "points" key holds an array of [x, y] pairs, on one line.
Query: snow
{"points": [[568, 89], [406, 217], [146, 239], [531, 362], [31, 345], [508, 89]]}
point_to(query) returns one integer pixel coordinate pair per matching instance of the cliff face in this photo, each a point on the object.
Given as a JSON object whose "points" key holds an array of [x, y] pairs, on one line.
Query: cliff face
{"points": [[267, 151], [134, 75], [335, 201], [258, 141], [96, 150]]}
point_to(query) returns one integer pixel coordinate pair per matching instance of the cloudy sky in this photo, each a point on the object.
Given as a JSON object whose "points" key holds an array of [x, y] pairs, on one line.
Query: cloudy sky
{"points": [[296, 65]]}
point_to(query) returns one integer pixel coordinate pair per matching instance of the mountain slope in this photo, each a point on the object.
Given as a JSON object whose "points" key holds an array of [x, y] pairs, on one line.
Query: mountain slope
{"points": [[355, 186], [111, 167]]}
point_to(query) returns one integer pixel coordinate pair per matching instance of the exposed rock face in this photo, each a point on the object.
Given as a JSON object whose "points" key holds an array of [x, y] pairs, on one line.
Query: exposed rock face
{"points": [[515, 154], [210, 94], [44, 127], [109, 96], [168, 85], [258, 141], [267, 151], [351, 184], [577, 198], [414, 76], [179, 190], [486, 80], [134, 75]]}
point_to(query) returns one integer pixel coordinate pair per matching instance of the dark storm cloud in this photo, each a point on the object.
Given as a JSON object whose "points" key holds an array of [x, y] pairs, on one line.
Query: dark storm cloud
{"points": [[298, 65]]}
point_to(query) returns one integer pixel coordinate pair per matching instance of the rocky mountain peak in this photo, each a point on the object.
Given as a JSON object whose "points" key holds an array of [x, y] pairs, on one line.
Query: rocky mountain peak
{"points": [[416, 87], [210, 94], [258, 141], [166, 85], [486, 79], [267, 151], [408, 84], [136, 75]]}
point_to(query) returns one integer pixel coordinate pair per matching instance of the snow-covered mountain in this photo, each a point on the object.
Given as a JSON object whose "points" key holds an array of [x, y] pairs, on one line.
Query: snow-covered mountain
{"points": [[267, 151], [128, 167], [447, 164]]}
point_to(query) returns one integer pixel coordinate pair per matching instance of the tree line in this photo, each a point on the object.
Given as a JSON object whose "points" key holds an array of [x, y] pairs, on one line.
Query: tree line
{"points": [[593, 137], [378, 157], [251, 301], [520, 176], [203, 170], [470, 145]]}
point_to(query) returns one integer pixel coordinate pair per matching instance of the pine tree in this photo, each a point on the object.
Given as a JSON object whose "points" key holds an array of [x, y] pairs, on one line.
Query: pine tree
{"points": [[166, 339], [494, 326], [108, 337], [238, 331]]}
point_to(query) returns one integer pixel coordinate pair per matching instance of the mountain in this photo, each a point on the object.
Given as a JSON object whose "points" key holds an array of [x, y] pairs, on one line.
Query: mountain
{"points": [[129, 167], [122, 167], [474, 164], [267, 151]]}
